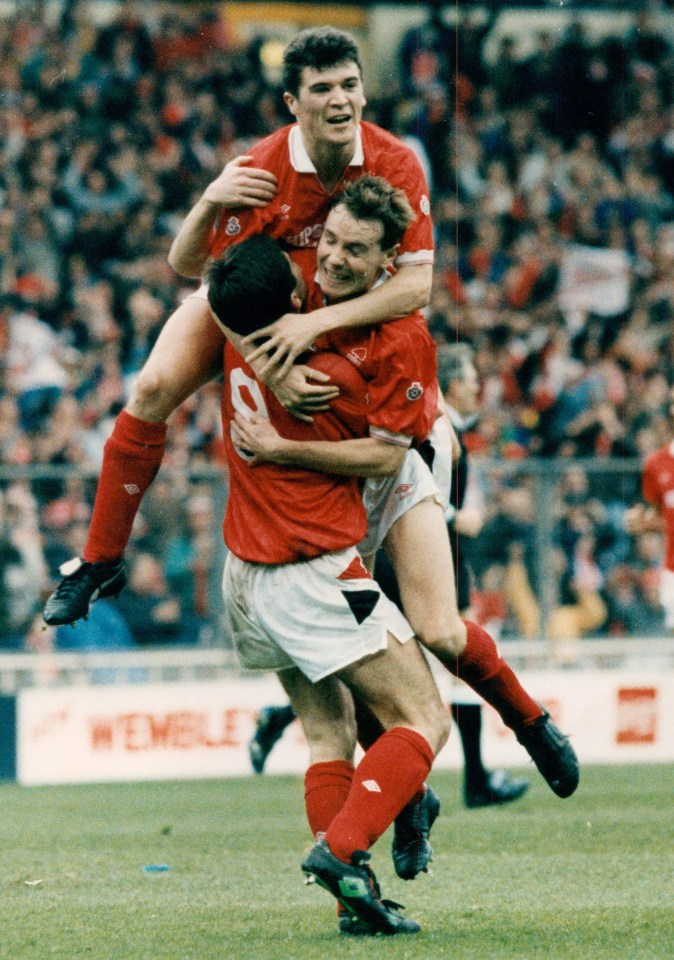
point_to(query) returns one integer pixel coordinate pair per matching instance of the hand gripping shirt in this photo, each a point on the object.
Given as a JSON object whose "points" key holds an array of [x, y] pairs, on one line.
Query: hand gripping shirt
{"points": [[298, 211]]}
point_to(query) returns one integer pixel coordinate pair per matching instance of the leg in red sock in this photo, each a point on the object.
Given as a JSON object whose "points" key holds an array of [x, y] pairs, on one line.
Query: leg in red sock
{"points": [[131, 460], [326, 790], [484, 669], [387, 778]]}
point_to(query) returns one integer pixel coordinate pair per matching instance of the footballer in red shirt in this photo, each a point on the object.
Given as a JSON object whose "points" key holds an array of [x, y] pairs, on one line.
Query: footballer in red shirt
{"points": [[329, 145], [657, 514]]}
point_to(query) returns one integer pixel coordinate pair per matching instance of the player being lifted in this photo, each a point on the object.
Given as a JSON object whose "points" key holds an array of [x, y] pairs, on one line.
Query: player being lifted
{"points": [[284, 189]]}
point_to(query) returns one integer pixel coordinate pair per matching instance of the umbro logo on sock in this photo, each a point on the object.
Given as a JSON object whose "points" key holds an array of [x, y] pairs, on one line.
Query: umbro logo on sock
{"points": [[372, 786], [131, 488]]}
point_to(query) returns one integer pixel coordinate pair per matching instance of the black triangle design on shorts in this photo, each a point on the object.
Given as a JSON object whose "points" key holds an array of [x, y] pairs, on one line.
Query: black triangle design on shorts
{"points": [[426, 451], [362, 602]]}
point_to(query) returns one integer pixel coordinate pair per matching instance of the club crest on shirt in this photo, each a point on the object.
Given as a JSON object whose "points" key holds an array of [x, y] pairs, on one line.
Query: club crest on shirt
{"points": [[425, 204], [233, 227], [357, 355], [414, 391]]}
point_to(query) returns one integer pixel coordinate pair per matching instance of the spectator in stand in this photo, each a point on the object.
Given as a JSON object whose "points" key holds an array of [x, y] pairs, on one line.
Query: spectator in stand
{"points": [[188, 562], [22, 565], [152, 612]]}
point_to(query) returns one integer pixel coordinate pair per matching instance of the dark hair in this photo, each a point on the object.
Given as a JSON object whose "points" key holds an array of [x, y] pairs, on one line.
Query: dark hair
{"points": [[250, 285], [373, 198], [319, 49], [453, 358]]}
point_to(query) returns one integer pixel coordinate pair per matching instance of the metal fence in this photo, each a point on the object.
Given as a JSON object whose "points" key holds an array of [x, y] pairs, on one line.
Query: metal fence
{"points": [[552, 563]]}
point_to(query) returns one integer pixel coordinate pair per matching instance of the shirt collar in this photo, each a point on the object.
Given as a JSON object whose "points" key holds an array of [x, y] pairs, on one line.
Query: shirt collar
{"points": [[300, 159]]}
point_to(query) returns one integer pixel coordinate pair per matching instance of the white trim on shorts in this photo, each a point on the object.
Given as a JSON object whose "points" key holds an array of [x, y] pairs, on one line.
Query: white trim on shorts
{"points": [[386, 499], [666, 591], [299, 614]]}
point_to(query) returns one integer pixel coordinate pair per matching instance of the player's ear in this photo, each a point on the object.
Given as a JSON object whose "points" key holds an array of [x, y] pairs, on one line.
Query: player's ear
{"points": [[295, 302], [390, 255], [290, 102]]}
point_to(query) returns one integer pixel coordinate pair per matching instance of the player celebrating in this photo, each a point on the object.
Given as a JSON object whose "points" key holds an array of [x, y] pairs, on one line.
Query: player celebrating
{"points": [[299, 601], [404, 509], [657, 514], [283, 188]]}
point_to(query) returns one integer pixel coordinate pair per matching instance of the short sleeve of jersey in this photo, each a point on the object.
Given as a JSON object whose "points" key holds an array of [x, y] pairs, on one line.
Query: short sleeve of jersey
{"points": [[235, 224], [403, 393], [388, 157]]}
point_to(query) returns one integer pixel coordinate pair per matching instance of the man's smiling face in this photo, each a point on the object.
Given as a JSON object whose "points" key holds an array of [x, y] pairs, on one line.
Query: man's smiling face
{"points": [[329, 105], [350, 255]]}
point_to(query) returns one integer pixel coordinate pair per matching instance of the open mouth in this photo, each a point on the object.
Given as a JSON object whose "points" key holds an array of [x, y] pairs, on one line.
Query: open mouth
{"points": [[335, 277], [339, 121]]}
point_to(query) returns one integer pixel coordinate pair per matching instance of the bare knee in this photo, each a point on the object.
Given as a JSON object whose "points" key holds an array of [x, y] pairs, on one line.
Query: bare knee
{"points": [[152, 397], [443, 638]]}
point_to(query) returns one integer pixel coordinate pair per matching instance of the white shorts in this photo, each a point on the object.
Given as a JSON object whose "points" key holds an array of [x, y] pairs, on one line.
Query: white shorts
{"points": [[667, 596], [388, 498], [304, 615]]}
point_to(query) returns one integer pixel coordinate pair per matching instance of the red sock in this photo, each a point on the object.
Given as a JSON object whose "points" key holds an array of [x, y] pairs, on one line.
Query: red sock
{"points": [[326, 789], [484, 669], [389, 775], [131, 459]]}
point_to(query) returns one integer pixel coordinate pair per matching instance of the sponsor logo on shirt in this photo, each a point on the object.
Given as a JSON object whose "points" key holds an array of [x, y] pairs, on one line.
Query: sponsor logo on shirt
{"points": [[414, 391], [357, 355], [308, 237], [233, 227]]}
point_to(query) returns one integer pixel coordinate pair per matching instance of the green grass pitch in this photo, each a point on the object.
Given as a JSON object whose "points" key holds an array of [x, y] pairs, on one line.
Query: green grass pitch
{"points": [[589, 878]]}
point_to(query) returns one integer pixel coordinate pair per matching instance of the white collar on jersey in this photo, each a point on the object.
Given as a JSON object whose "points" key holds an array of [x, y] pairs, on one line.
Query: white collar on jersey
{"points": [[301, 161]]}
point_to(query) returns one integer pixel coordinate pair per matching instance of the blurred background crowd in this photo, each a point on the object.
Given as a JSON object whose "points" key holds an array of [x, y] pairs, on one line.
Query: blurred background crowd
{"points": [[552, 182]]}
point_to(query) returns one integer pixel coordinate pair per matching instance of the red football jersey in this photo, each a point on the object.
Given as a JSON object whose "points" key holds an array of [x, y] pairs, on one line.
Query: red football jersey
{"points": [[658, 488], [299, 209], [278, 514], [397, 360]]}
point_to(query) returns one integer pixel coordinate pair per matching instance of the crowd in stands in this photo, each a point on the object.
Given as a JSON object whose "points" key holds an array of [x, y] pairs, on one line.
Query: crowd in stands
{"points": [[551, 175]]}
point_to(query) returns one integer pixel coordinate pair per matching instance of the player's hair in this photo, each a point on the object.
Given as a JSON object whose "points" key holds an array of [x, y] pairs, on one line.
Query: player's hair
{"points": [[250, 285], [373, 198], [453, 360], [319, 49]]}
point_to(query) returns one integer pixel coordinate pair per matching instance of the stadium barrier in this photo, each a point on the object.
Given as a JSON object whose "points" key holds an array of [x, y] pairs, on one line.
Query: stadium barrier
{"points": [[190, 714]]}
